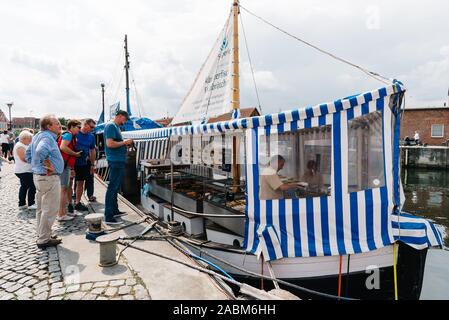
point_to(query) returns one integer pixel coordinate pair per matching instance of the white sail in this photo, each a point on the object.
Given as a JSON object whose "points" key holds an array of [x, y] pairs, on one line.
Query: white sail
{"points": [[211, 93]]}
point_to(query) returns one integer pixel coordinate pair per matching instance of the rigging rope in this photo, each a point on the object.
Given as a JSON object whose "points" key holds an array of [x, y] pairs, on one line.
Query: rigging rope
{"points": [[372, 74], [138, 99], [250, 64]]}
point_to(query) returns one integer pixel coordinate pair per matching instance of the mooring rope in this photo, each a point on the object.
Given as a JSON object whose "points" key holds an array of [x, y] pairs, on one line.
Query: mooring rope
{"points": [[372, 74]]}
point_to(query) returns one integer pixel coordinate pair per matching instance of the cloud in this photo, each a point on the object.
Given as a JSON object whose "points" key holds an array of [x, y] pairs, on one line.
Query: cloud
{"points": [[41, 64], [55, 54]]}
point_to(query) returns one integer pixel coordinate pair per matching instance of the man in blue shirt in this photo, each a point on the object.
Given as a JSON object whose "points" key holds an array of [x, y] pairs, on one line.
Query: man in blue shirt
{"points": [[85, 165], [47, 164], [115, 148]]}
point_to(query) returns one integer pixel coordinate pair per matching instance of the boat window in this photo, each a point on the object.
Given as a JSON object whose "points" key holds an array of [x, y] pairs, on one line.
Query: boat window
{"points": [[210, 155], [365, 153], [296, 164]]}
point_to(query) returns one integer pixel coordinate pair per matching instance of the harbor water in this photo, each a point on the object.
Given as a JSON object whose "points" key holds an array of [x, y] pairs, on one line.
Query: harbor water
{"points": [[427, 195]]}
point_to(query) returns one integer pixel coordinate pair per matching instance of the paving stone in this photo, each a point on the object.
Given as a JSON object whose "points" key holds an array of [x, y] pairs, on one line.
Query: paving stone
{"points": [[57, 285], [100, 284], [8, 296], [25, 279], [128, 297], [57, 292], [40, 284], [39, 290], [10, 276], [54, 280], [54, 269], [76, 296], [112, 291], [89, 296], [23, 291], [32, 271], [117, 283], [55, 274], [17, 277], [86, 286], [56, 298], [98, 290], [6, 285], [73, 288], [102, 298], [131, 282], [31, 282], [124, 290], [14, 288]]}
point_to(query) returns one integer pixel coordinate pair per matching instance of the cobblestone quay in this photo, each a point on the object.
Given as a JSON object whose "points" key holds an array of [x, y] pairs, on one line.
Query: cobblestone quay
{"points": [[30, 273]]}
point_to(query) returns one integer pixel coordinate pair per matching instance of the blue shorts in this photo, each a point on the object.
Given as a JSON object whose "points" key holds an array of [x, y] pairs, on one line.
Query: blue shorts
{"points": [[65, 177]]}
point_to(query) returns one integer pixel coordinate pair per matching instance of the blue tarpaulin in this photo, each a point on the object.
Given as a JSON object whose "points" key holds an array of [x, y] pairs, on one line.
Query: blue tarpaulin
{"points": [[133, 124]]}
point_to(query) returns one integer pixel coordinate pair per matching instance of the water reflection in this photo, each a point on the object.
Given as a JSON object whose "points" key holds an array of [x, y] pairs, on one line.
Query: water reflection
{"points": [[427, 195]]}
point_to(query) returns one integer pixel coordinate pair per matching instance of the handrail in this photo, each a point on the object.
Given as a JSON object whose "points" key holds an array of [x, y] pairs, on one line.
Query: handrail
{"points": [[209, 215]]}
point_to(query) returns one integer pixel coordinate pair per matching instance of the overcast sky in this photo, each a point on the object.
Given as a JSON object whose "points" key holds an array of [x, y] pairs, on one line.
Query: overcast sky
{"points": [[54, 54]]}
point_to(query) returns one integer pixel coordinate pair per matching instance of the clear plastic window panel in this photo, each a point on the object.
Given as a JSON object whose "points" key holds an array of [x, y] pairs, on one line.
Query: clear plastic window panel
{"points": [[305, 170], [365, 153]]}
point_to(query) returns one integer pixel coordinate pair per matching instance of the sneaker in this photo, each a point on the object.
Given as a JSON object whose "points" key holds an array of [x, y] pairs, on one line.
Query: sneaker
{"points": [[81, 207], [64, 218], [120, 214], [70, 208], [113, 222], [23, 207], [74, 214], [49, 243], [32, 207]]}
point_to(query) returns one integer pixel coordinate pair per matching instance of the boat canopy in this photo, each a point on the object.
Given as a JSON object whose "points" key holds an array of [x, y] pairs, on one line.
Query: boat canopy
{"points": [[353, 146], [133, 124]]}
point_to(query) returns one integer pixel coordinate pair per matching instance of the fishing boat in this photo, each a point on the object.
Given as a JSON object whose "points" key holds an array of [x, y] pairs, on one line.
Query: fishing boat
{"points": [[311, 196]]}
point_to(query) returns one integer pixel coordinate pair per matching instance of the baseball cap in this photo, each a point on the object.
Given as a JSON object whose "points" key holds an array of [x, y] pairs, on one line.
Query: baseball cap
{"points": [[123, 113]]}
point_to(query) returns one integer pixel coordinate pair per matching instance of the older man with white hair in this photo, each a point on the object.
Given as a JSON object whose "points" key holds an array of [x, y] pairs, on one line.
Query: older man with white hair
{"points": [[47, 165], [23, 171]]}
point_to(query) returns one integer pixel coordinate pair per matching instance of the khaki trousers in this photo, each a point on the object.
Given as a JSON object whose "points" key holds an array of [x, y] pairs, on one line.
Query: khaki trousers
{"points": [[48, 189]]}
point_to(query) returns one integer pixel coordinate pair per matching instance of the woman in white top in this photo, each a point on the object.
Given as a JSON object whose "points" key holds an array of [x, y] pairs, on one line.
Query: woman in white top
{"points": [[23, 171]]}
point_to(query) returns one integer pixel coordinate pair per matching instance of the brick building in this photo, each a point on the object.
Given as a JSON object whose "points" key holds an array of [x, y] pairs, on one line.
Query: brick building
{"points": [[25, 122], [432, 124]]}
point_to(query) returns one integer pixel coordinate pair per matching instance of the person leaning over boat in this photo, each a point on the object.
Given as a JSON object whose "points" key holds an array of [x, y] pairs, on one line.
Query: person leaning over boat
{"points": [[271, 186], [47, 164], [67, 145], [115, 148], [23, 171]]}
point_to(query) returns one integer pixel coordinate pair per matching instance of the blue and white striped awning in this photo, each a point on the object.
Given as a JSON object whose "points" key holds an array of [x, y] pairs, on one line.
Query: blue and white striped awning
{"points": [[151, 149], [342, 223], [417, 232]]}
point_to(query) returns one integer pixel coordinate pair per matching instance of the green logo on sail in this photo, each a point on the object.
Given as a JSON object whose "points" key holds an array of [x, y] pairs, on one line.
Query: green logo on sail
{"points": [[224, 44]]}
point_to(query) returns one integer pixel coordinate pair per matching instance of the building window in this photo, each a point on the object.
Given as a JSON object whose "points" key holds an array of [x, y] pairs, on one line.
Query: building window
{"points": [[365, 153], [296, 164], [437, 131]]}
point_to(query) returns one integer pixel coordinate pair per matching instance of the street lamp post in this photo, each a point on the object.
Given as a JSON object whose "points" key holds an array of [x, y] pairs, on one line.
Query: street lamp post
{"points": [[102, 95], [10, 119]]}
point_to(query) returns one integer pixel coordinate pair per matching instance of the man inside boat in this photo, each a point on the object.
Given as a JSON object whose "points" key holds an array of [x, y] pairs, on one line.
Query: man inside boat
{"points": [[271, 185]]}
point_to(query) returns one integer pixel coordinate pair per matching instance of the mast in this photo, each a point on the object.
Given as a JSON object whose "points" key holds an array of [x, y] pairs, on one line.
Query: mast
{"points": [[236, 97], [128, 105]]}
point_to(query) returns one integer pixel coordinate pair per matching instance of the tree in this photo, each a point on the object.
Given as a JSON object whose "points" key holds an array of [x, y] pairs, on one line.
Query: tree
{"points": [[63, 121]]}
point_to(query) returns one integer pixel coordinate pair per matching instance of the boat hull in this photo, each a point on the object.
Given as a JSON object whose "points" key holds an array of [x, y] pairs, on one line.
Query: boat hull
{"points": [[371, 274]]}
